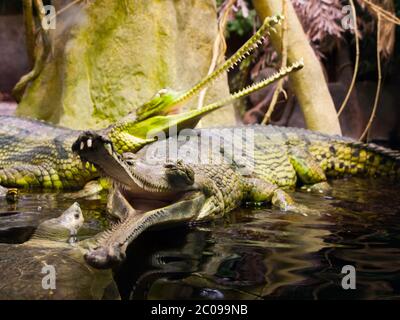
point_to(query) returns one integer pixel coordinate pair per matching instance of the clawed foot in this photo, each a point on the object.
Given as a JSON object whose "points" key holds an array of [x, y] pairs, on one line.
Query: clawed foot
{"points": [[284, 202], [320, 188], [90, 190]]}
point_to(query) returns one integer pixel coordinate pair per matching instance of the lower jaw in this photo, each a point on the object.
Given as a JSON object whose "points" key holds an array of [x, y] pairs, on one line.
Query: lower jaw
{"points": [[179, 211]]}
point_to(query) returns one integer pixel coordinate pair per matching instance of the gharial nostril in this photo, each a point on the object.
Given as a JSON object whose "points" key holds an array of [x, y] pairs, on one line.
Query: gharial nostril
{"points": [[98, 258]]}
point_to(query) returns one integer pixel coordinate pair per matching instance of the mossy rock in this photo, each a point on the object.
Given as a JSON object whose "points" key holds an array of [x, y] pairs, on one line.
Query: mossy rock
{"points": [[110, 56]]}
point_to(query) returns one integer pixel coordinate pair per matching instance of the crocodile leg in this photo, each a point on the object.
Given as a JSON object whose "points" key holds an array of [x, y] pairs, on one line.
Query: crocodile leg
{"points": [[90, 189], [262, 191], [309, 171]]}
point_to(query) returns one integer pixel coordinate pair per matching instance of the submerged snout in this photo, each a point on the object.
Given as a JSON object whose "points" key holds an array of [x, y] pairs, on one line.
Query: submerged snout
{"points": [[104, 258]]}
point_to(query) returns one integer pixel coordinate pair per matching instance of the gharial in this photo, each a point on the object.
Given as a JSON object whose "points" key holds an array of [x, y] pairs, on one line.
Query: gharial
{"points": [[34, 154], [187, 178]]}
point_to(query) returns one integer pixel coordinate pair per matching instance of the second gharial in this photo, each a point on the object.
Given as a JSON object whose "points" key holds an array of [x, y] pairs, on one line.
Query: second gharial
{"points": [[157, 187]]}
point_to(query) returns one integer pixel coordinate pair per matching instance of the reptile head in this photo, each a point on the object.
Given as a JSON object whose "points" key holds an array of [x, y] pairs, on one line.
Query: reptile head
{"points": [[163, 111], [63, 228], [145, 194], [154, 180], [162, 103]]}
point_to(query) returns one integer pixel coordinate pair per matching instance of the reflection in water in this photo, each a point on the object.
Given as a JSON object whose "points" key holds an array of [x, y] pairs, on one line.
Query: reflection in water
{"points": [[258, 253], [267, 254]]}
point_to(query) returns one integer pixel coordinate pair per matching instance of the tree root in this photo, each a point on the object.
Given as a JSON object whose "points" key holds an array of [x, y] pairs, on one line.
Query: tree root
{"points": [[41, 58]]}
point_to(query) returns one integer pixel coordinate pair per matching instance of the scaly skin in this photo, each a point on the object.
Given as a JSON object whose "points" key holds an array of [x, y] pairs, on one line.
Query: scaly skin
{"points": [[195, 189], [35, 154], [38, 155]]}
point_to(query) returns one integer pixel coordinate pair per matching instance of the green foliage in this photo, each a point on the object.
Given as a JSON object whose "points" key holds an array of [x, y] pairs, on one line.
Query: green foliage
{"points": [[241, 25]]}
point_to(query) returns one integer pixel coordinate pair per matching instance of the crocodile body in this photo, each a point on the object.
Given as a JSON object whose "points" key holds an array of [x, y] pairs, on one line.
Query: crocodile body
{"points": [[198, 183], [34, 154], [283, 156]]}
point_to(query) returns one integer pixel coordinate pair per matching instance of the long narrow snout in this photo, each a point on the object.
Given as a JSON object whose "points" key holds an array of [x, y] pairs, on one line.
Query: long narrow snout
{"points": [[112, 244]]}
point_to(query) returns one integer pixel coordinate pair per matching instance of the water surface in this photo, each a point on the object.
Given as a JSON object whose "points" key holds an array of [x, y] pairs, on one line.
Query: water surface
{"points": [[254, 253]]}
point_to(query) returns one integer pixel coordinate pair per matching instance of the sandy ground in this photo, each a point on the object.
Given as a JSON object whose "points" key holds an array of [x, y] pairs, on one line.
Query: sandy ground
{"points": [[7, 108]]}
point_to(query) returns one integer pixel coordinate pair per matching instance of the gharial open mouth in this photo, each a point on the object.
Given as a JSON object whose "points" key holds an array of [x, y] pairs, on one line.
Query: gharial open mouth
{"points": [[147, 195], [142, 184]]}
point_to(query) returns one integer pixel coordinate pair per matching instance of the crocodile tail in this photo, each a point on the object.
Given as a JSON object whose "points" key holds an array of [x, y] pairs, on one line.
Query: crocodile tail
{"points": [[358, 158]]}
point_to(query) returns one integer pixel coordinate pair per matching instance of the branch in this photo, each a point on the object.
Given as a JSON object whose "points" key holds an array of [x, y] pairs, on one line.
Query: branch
{"points": [[357, 61], [378, 88], [383, 13], [219, 47], [279, 86], [29, 24], [309, 84], [40, 60]]}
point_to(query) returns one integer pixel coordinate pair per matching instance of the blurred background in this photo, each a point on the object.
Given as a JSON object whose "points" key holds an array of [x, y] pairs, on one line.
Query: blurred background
{"points": [[334, 45]]}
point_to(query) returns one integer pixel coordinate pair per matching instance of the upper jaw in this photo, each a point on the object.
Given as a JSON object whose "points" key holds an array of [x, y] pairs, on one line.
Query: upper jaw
{"points": [[98, 150], [131, 174]]}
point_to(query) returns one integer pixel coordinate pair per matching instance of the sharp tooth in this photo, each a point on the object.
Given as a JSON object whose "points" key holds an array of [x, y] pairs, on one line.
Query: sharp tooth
{"points": [[82, 145], [108, 148], [89, 143]]}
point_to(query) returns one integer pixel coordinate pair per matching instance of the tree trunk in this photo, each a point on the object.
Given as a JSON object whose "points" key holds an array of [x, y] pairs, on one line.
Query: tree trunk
{"points": [[110, 56], [309, 83]]}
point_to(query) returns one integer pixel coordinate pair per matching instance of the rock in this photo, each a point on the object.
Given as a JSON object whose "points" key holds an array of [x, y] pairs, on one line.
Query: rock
{"points": [[110, 56]]}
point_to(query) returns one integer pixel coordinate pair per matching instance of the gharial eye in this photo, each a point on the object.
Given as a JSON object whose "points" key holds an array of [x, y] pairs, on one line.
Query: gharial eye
{"points": [[128, 156], [169, 165]]}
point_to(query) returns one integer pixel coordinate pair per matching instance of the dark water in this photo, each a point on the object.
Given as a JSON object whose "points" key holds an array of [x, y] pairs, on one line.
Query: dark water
{"points": [[255, 253]]}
